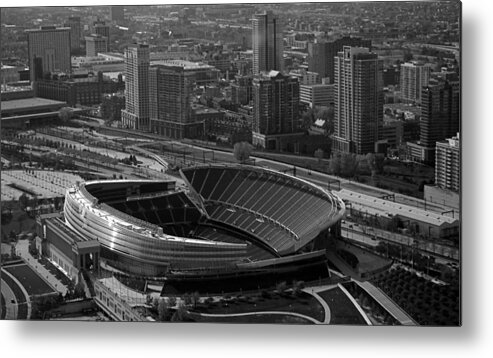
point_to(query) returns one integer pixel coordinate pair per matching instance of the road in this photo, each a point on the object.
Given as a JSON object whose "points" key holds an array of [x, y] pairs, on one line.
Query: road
{"points": [[10, 301]]}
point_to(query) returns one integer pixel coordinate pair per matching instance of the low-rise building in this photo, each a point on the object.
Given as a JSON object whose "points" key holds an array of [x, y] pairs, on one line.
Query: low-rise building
{"points": [[71, 252], [428, 224], [86, 91], [317, 95]]}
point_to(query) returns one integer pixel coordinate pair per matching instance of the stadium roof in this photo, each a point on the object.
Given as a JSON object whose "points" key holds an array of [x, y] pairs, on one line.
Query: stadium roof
{"points": [[386, 208]]}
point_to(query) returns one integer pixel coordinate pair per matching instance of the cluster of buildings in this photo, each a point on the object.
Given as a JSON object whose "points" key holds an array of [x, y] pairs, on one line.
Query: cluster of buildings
{"points": [[217, 90]]}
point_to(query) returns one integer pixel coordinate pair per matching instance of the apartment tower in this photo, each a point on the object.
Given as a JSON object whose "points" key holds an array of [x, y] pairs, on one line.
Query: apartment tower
{"points": [[414, 76], [136, 113], [267, 43], [358, 100]]}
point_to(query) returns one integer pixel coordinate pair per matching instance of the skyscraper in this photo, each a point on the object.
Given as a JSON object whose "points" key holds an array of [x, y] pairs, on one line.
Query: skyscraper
{"points": [[136, 113], [96, 44], [171, 86], [414, 76], [276, 100], [358, 100], [321, 54], [447, 164], [52, 46], [440, 112], [100, 28], [75, 34], [267, 43]]}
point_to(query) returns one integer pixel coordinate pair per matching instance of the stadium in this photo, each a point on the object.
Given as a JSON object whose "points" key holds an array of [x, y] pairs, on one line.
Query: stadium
{"points": [[227, 218]]}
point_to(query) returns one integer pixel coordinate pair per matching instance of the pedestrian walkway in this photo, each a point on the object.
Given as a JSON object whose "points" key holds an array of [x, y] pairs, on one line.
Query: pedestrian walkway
{"points": [[10, 301], [262, 313], [312, 291], [389, 305]]}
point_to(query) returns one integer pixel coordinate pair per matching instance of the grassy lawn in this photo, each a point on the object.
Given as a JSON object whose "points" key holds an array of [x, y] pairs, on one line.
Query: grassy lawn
{"points": [[254, 318], [305, 304], [31, 281], [342, 310]]}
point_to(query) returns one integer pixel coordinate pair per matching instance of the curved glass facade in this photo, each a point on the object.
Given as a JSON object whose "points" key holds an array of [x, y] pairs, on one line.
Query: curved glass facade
{"points": [[262, 207]]}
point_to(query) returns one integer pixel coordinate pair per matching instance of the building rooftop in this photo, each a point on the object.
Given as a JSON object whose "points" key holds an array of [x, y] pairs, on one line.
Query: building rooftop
{"points": [[10, 88], [387, 208], [49, 28], [187, 65], [29, 103]]}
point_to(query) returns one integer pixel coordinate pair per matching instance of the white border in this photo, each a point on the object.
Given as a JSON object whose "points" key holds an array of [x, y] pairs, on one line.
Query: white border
{"points": [[76, 339]]}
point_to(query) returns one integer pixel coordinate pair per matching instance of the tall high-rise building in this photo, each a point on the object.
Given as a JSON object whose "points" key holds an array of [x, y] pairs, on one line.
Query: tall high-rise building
{"points": [[267, 43], [117, 13], [276, 100], [447, 164], [75, 32], [96, 44], [440, 109], [52, 46], [171, 86], [100, 28], [136, 113], [440, 114], [414, 76], [321, 54], [358, 100]]}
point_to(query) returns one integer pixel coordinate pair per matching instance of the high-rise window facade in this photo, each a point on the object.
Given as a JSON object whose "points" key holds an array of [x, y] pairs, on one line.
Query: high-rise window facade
{"points": [[136, 113], [75, 34], [358, 100], [276, 100], [414, 76], [321, 54], [267, 43], [440, 109], [95, 44], [52, 46], [447, 164]]}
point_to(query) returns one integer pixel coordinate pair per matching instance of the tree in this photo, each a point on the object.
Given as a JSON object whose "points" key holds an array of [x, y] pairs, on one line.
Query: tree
{"points": [[187, 299], [65, 114], [349, 165], [23, 201], [162, 309], [375, 163], [298, 286], [195, 298], [171, 302], [335, 164], [242, 151], [155, 304], [281, 287], [79, 290], [307, 118], [181, 314], [319, 153]]}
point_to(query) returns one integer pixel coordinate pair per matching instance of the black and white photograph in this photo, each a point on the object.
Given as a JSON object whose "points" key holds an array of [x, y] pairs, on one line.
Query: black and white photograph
{"points": [[237, 163]]}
